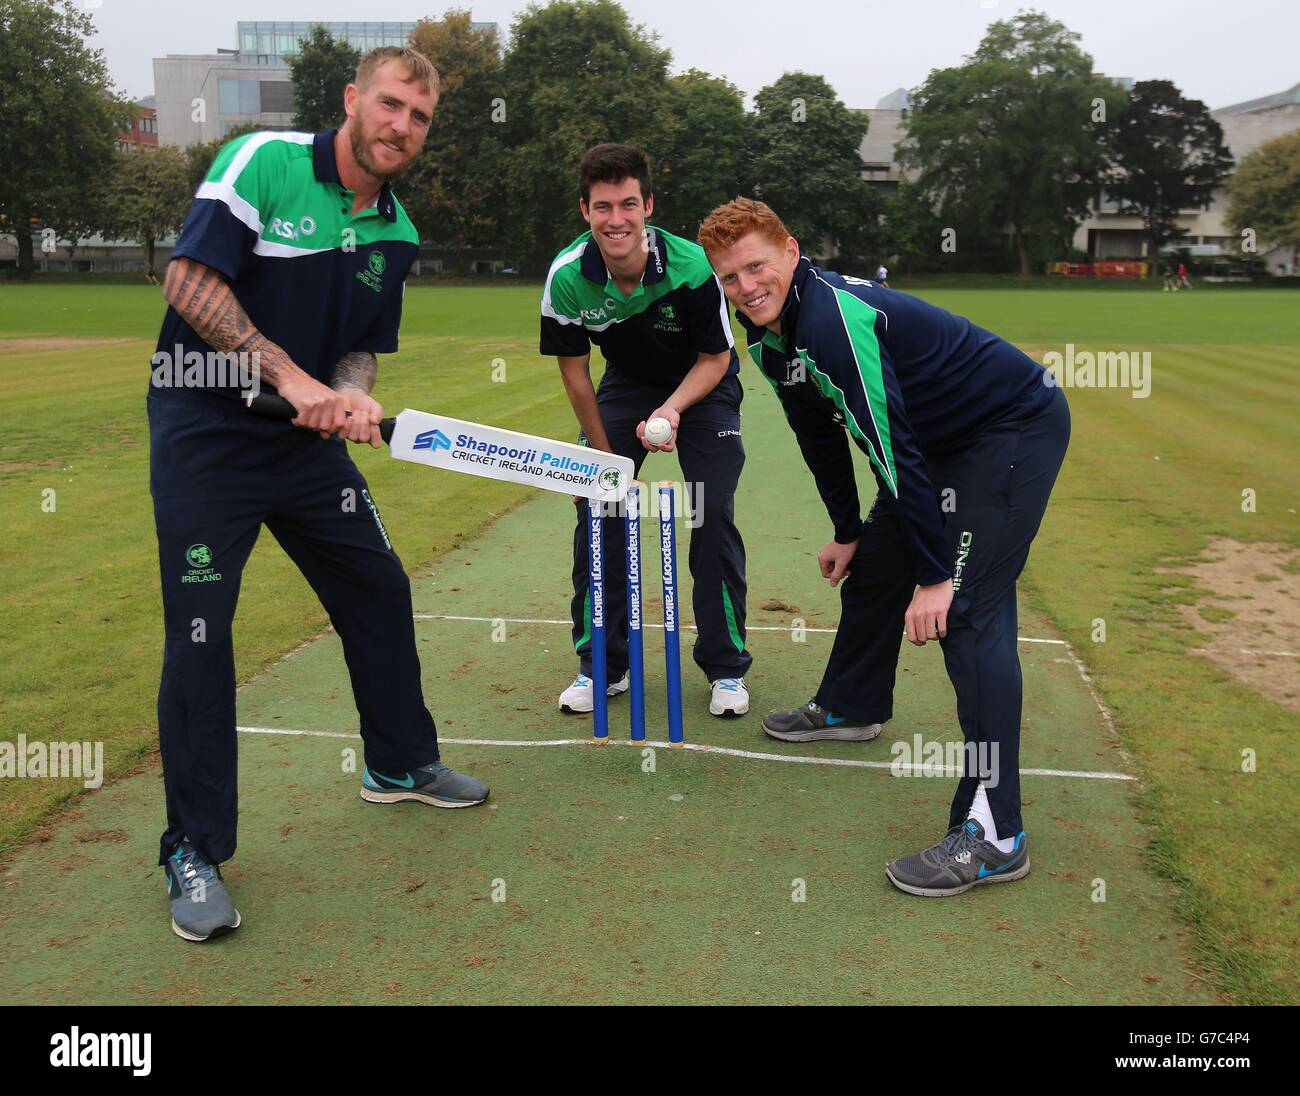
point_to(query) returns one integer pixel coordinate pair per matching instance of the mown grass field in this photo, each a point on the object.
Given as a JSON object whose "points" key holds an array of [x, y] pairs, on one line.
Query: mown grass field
{"points": [[81, 637]]}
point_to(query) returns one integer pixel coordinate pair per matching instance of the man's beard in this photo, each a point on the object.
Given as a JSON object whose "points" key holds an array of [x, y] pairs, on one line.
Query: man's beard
{"points": [[361, 153]]}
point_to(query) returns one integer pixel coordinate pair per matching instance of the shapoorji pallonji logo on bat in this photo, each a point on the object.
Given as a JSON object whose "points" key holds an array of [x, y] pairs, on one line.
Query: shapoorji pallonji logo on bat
{"points": [[537, 463], [432, 439]]}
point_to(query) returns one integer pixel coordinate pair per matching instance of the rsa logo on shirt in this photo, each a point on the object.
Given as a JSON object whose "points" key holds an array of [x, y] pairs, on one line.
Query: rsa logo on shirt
{"points": [[608, 310], [372, 276], [288, 230]]}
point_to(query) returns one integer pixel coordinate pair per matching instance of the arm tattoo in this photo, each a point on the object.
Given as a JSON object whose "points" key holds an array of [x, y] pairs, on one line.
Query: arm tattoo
{"points": [[203, 299], [355, 370]]}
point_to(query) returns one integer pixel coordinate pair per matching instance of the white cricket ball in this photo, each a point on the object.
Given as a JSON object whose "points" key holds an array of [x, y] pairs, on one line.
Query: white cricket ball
{"points": [[658, 431]]}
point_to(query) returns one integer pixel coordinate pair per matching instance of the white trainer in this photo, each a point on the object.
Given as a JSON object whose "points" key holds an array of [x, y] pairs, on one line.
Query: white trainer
{"points": [[579, 697], [729, 697]]}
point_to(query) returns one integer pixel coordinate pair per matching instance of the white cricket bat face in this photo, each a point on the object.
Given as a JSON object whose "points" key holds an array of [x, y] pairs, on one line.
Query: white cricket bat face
{"points": [[493, 453]]}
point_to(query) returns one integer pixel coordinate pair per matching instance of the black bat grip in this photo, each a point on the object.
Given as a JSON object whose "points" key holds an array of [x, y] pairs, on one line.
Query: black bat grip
{"points": [[277, 407]]}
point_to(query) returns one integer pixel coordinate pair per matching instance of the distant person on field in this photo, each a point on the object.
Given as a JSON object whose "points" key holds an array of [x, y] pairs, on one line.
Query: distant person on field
{"points": [[650, 302], [882, 275], [303, 233], [1183, 281], [965, 439], [1167, 272]]}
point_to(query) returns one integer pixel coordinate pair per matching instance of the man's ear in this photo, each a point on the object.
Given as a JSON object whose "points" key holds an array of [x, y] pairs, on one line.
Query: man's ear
{"points": [[649, 205], [351, 94], [584, 209]]}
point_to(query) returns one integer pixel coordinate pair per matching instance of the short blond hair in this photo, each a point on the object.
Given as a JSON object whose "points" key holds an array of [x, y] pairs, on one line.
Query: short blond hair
{"points": [[417, 66], [736, 220]]}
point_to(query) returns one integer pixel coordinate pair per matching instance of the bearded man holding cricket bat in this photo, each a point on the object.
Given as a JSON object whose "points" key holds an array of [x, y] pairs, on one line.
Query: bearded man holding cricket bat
{"points": [[263, 247]]}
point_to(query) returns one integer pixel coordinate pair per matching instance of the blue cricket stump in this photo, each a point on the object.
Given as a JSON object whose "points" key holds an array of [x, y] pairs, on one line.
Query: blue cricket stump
{"points": [[596, 565], [635, 651], [672, 642]]}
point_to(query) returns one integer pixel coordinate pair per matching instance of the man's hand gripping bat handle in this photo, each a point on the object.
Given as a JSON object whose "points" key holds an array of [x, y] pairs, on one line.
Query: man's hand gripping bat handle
{"points": [[277, 407]]}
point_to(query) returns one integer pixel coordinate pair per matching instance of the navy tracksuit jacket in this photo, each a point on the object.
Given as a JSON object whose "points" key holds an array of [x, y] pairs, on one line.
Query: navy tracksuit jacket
{"points": [[965, 435]]}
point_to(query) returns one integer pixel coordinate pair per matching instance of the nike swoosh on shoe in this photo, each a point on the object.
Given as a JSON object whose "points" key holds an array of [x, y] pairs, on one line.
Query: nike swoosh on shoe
{"points": [[409, 782]]}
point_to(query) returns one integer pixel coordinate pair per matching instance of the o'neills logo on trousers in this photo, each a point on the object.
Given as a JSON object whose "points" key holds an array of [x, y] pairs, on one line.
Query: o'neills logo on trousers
{"points": [[963, 551]]}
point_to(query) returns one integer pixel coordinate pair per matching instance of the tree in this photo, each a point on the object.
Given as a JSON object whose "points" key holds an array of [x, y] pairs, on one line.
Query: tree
{"points": [[1014, 138], [705, 161], [322, 68], [453, 191], [1265, 194], [1169, 156], [148, 198], [577, 73], [59, 145], [913, 232], [807, 165], [199, 157]]}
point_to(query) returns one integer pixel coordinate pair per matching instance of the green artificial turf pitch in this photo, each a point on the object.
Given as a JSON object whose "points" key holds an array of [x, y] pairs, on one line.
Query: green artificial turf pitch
{"points": [[620, 884]]}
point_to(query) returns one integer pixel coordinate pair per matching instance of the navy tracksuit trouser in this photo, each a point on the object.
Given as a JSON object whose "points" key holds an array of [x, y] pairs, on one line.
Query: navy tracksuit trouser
{"points": [[1000, 482], [217, 474], [709, 448]]}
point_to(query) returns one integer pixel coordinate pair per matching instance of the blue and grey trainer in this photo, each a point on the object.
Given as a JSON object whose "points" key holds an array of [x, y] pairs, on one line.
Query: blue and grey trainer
{"points": [[963, 859], [201, 905], [435, 784], [812, 722]]}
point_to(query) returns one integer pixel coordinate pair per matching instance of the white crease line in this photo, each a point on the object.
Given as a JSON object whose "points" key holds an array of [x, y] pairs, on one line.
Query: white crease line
{"points": [[770, 628], [1101, 707], [685, 627], [932, 770]]}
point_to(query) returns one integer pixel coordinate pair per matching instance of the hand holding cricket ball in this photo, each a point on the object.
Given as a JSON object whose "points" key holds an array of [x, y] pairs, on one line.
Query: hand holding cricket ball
{"points": [[659, 431]]}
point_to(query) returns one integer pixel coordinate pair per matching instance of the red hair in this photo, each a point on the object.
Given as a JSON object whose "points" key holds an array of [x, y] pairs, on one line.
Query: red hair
{"points": [[736, 220]]}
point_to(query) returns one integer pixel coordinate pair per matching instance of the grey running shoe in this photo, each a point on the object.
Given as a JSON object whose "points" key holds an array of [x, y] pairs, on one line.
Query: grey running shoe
{"points": [[201, 905], [435, 784], [963, 859], [812, 721]]}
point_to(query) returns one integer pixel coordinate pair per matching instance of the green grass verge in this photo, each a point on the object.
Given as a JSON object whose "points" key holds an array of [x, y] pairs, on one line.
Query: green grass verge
{"points": [[1147, 484]]}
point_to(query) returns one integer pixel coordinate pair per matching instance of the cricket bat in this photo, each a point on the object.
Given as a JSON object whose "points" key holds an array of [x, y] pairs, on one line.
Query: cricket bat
{"points": [[489, 451]]}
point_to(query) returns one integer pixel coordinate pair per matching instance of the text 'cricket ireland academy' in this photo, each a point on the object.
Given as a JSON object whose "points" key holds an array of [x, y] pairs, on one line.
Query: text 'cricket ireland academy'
{"points": [[539, 464]]}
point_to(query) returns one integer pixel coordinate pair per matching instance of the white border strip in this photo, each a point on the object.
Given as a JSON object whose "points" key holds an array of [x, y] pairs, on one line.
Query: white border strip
{"points": [[753, 755]]}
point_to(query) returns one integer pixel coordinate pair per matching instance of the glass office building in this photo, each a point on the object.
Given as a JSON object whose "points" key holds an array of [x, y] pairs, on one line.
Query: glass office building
{"points": [[270, 41], [204, 97]]}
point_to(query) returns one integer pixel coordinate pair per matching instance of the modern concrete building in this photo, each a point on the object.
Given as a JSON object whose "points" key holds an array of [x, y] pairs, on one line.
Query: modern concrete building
{"points": [[886, 128], [203, 97]]}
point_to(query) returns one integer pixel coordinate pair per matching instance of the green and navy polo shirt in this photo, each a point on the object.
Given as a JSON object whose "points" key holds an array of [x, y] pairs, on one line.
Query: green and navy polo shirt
{"points": [[654, 336], [274, 217]]}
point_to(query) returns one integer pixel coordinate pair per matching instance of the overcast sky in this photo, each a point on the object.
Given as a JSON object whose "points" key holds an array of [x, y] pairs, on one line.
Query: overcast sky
{"points": [[1216, 51]]}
